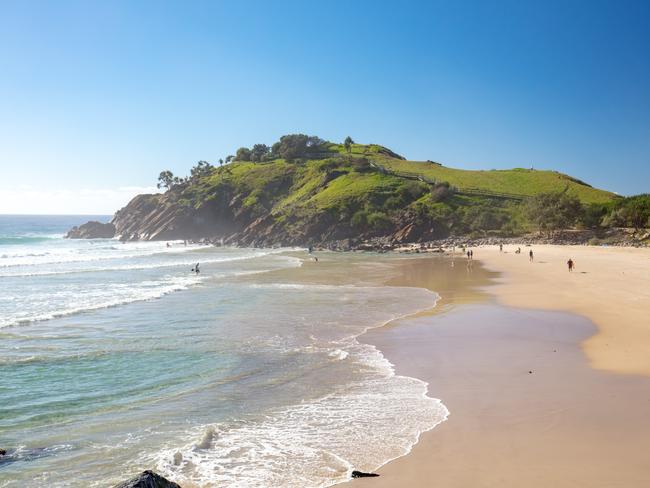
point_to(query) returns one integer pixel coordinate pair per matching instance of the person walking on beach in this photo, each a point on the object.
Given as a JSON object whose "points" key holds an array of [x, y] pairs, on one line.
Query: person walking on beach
{"points": [[471, 254], [530, 255], [500, 247], [570, 264]]}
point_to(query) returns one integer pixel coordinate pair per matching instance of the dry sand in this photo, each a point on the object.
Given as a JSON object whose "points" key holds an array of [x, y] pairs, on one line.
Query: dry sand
{"points": [[610, 286], [527, 407]]}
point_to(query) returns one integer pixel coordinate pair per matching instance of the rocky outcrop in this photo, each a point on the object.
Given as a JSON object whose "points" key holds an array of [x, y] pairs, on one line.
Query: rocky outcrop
{"points": [[92, 230], [148, 479]]}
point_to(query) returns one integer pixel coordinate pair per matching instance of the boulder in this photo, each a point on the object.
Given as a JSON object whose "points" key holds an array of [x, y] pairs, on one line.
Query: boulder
{"points": [[148, 479], [92, 230]]}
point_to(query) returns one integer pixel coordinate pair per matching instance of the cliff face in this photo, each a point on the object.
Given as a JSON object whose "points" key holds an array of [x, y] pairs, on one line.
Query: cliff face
{"points": [[162, 217]]}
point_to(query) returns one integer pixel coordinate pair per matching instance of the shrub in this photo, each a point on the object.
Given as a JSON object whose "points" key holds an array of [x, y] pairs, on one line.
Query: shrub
{"points": [[378, 221], [484, 218], [592, 216], [393, 203], [441, 192], [361, 165], [412, 190], [360, 219], [553, 211]]}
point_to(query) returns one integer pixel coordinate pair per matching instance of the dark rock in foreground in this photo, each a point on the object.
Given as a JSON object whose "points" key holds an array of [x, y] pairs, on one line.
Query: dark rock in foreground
{"points": [[148, 479], [361, 474], [92, 230]]}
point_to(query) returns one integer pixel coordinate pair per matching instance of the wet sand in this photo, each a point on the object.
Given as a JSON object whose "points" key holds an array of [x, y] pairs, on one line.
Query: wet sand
{"points": [[526, 407], [610, 286]]}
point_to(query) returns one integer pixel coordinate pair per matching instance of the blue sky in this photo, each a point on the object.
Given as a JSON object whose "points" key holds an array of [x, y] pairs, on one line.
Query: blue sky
{"points": [[96, 98]]}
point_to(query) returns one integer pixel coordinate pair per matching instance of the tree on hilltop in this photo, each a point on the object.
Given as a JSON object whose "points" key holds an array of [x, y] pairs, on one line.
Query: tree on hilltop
{"points": [[260, 152], [165, 180], [202, 168], [348, 144], [243, 154], [293, 146]]}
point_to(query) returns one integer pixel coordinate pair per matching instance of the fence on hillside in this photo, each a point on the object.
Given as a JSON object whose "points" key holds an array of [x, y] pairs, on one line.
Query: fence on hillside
{"points": [[460, 191]]}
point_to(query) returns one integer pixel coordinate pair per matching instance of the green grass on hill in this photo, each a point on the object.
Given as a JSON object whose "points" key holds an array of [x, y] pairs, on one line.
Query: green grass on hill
{"points": [[517, 181], [348, 190]]}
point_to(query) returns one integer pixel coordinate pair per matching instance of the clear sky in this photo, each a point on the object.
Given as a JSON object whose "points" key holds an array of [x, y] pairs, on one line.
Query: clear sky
{"points": [[97, 97]]}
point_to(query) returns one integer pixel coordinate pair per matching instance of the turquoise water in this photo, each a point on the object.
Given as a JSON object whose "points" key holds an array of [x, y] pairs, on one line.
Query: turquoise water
{"points": [[117, 358]]}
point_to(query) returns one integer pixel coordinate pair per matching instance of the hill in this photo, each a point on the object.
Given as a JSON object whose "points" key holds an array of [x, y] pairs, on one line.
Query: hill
{"points": [[305, 190]]}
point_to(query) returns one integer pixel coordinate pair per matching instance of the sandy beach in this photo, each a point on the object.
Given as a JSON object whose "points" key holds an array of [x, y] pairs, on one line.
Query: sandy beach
{"points": [[545, 372], [610, 286]]}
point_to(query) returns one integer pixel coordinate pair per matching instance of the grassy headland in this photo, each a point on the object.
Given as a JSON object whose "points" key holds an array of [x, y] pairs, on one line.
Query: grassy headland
{"points": [[304, 189]]}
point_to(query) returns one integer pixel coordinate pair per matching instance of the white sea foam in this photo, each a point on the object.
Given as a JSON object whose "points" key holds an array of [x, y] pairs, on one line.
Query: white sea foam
{"points": [[338, 354], [138, 266], [117, 294], [83, 253], [362, 425], [317, 443]]}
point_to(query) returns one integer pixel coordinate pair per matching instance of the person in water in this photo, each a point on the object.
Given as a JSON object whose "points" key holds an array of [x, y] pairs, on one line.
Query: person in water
{"points": [[570, 264], [196, 269]]}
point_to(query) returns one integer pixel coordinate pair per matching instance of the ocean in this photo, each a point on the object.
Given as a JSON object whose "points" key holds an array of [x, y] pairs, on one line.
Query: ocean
{"points": [[116, 358]]}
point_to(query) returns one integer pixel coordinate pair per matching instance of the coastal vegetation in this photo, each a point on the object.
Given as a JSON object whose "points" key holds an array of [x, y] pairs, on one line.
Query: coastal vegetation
{"points": [[306, 189]]}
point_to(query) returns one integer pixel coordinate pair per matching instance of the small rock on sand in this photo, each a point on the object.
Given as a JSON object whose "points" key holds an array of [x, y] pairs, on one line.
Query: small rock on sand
{"points": [[361, 474]]}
